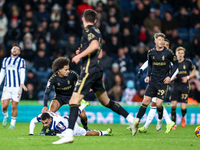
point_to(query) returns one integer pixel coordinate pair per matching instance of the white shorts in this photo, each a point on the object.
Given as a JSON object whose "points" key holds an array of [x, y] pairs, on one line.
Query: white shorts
{"points": [[79, 131], [154, 99], [12, 93]]}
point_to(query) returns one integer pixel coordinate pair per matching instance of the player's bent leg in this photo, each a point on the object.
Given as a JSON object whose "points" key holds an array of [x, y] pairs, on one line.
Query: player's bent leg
{"points": [[5, 104], [54, 106], [140, 113], [83, 117], [173, 113], [184, 111], [105, 101], [150, 116], [160, 113]]}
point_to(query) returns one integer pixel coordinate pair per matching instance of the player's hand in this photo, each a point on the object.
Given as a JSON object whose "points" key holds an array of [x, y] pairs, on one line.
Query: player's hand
{"points": [[140, 73], [146, 80], [184, 79], [167, 80], [44, 109], [24, 87], [78, 51], [76, 59]]}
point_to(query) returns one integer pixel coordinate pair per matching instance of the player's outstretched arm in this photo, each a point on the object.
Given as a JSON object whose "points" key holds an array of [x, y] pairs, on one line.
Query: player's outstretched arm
{"points": [[32, 125], [140, 72]]}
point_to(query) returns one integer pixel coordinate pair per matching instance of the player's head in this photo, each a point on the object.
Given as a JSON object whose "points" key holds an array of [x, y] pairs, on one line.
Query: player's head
{"points": [[46, 120], [89, 16], [15, 50], [166, 43], [61, 64], [180, 53], [159, 39]]}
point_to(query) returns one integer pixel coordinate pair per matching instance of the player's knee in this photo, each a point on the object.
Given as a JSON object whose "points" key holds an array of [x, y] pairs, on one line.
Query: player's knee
{"points": [[14, 107], [146, 101], [158, 105]]}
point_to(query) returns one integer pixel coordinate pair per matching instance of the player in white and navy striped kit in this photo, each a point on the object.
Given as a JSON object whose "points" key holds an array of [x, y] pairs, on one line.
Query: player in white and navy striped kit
{"points": [[55, 122], [13, 70]]}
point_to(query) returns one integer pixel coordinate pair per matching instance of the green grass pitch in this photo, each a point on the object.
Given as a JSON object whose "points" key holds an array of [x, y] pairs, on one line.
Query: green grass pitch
{"points": [[181, 139]]}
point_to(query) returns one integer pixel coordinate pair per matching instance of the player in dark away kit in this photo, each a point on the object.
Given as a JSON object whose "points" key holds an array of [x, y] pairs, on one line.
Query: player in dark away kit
{"points": [[181, 85], [91, 75], [159, 74], [64, 81]]}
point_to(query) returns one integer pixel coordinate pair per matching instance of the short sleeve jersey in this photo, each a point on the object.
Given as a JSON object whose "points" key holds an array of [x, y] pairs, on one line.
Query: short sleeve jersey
{"points": [[184, 70], [161, 63], [90, 62], [63, 86]]}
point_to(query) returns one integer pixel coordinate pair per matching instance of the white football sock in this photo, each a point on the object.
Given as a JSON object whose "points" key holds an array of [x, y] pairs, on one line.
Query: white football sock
{"points": [[102, 133], [150, 117], [166, 116], [130, 118], [13, 121], [5, 113], [80, 108]]}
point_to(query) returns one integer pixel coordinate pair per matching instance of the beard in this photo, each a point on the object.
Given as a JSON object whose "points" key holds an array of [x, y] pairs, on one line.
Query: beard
{"points": [[14, 54]]}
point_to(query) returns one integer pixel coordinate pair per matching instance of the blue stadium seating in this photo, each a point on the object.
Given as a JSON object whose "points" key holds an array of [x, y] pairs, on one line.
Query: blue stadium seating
{"points": [[183, 33], [192, 32]]}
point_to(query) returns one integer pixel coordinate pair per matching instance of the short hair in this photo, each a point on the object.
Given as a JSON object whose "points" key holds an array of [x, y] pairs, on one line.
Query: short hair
{"points": [[45, 116], [159, 34], [17, 46], [90, 15], [59, 63], [167, 41], [180, 48]]}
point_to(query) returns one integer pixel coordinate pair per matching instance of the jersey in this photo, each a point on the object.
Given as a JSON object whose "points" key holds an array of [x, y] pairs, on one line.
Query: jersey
{"points": [[184, 70], [58, 124], [90, 63], [160, 62], [12, 69], [63, 86]]}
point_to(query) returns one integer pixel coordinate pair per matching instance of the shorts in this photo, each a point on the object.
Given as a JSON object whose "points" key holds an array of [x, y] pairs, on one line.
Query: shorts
{"points": [[79, 131], [62, 99], [156, 90], [89, 81], [12, 93], [179, 93]]}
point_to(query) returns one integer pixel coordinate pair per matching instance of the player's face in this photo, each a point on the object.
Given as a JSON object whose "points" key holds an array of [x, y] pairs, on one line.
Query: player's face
{"points": [[15, 51], [46, 123], [159, 42], [166, 44], [180, 54], [64, 71]]}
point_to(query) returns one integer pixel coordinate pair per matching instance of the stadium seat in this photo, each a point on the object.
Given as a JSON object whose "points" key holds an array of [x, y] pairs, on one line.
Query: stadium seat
{"points": [[183, 33], [163, 9], [192, 32]]}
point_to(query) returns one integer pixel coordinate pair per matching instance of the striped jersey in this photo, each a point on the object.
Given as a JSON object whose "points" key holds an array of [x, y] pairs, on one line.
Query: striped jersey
{"points": [[12, 69]]}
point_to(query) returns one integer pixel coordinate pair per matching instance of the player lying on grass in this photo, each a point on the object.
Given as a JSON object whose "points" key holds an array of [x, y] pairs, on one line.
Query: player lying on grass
{"points": [[56, 123]]}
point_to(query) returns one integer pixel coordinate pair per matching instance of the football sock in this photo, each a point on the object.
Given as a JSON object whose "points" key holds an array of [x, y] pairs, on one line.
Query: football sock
{"points": [[141, 111], [117, 108], [84, 123], [173, 114], [166, 116], [5, 113], [102, 133], [184, 111], [160, 112], [80, 108], [130, 118], [73, 115], [13, 121], [150, 117]]}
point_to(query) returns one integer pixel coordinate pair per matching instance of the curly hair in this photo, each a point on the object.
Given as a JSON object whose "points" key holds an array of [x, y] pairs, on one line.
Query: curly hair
{"points": [[59, 63]]}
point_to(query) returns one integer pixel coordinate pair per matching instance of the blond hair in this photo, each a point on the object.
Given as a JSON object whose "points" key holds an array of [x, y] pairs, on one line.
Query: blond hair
{"points": [[159, 34], [180, 48]]}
